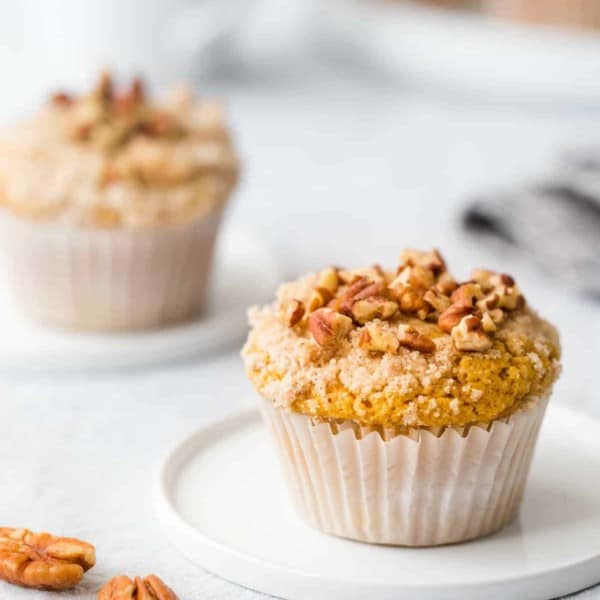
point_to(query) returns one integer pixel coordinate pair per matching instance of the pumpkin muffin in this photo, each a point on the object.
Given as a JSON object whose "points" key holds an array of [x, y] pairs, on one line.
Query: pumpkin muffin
{"points": [[110, 204], [405, 404]]}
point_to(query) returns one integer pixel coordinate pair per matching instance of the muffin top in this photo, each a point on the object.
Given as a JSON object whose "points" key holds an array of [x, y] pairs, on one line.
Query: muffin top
{"points": [[409, 347], [117, 159]]}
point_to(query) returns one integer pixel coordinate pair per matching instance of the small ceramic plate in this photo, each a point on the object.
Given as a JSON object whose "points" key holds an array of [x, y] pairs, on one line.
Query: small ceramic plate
{"points": [[221, 501], [467, 51], [245, 272]]}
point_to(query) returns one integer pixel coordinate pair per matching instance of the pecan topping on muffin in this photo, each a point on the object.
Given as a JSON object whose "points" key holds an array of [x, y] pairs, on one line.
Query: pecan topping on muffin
{"points": [[118, 157], [420, 287]]}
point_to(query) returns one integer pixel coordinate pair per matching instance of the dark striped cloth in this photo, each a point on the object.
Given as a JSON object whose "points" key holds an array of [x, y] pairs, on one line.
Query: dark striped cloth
{"points": [[556, 223]]}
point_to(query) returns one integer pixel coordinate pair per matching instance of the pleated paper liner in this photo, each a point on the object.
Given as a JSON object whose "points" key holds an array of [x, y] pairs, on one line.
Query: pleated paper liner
{"points": [[107, 279], [411, 487]]}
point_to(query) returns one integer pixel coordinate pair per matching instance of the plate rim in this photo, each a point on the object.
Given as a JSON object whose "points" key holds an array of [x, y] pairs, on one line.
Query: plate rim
{"points": [[172, 521], [413, 23], [141, 353]]}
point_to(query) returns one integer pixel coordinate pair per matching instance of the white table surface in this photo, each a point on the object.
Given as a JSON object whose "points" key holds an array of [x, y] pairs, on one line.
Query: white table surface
{"points": [[333, 174]]}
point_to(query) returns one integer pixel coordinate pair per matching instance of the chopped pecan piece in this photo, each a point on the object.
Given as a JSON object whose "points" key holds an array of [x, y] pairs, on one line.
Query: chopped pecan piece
{"points": [[43, 561], [446, 284], [409, 337], [293, 312], [430, 260], [150, 587], [409, 299], [510, 297], [370, 291], [497, 315], [328, 326], [503, 285], [418, 277], [488, 323], [356, 286], [319, 297], [489, 302], [130, 100], [466, 294], [468, 335], [329, 279], [375, 307], [484, 278], [376, 339], [62, 99], [436, 300], [452, 317], [358, 290], [371, 274], [104, 87]]}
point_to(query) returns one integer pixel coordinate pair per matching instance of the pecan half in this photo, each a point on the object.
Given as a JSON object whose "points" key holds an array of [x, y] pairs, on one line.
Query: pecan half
{"points": [[43, 561], [328, 326], [150, 587], [409, 337]]}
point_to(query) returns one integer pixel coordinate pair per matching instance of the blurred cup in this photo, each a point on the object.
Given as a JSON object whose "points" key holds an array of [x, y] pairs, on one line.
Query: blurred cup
{"points": [[70, 40]]}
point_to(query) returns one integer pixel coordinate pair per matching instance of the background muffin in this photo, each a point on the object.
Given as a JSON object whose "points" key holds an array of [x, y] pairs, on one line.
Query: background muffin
{"points": [[406, 406], [111, 204]]}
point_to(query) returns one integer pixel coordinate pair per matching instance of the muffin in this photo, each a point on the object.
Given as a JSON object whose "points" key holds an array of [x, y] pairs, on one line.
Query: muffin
{"points": [[573, 13], [110, 205], [405, 406]]}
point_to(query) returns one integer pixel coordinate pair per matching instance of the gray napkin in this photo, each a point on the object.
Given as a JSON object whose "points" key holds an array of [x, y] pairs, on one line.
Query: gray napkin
{"points": [[554, 222]]}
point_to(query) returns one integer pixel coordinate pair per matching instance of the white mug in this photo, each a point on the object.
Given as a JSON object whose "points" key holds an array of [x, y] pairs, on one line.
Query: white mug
{"points": [[69, 41]]}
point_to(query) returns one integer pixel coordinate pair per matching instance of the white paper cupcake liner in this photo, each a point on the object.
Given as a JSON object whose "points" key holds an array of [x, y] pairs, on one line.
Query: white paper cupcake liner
{"points": [[409, 489], [107, 279]]}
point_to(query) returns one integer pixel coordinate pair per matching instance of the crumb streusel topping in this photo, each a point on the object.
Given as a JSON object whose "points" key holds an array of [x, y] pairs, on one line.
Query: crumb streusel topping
{"points": [[117, 159], [410, 347]]}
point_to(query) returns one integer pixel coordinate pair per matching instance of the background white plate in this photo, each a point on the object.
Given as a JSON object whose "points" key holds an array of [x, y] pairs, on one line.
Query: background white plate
{"points": [[467, 50], [221, 502], [245, 273]]}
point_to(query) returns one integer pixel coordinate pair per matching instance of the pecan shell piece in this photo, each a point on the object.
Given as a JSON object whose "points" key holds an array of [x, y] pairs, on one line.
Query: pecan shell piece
{"points": [[42, 560]]}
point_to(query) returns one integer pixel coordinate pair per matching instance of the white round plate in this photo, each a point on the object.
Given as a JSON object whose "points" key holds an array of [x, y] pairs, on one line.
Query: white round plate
{"points": [[467, 50], [245, 273], [221, 501]]}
